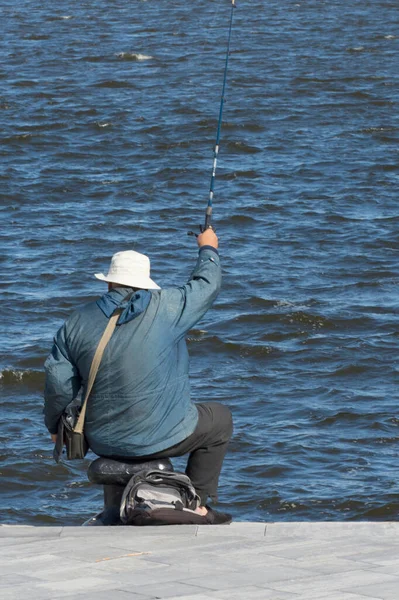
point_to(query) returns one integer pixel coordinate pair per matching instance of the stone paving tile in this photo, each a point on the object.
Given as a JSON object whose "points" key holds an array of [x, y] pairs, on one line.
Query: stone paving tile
{"points": [[232, 558], [91, 553], [328, 563], [197, 563], [166, 590], [253, 592], [82, 549], [144, 568], [255, 554], [298, 549], [33, 552], [89, 549], [246, 576], [390, 568], [194, 597], [112, 595], [212, 548], [15, 531], [166, 541], [227, 560], [346, 582], [336, 596], [353, 549], [58, 572], [332, 529], [367, 550], [135, 580], [175, 546], [250, 530], [387, 590], [8, 579], [75, 586], [7, 543], [34, 563], [18, 592], [377, 555], [126, 532]]}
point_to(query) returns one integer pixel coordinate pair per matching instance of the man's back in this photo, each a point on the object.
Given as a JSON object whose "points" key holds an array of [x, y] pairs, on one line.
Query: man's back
{"points": [[140, 403]]}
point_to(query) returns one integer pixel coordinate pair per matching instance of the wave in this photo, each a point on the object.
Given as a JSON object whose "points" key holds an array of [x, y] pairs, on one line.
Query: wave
{"points": [[18, 137], [242, 147], [133, 56], [27, 377], [218, 345], [351, 370], [37, 37], [356, 49], [256, 302], [315, 321], [59, 18], [112, 83], [331, 508], [344, 416], [291, 318], [238, 220]]}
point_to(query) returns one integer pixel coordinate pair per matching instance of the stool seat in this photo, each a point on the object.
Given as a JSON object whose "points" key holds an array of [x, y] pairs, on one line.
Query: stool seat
{"points": [[107, 471]]}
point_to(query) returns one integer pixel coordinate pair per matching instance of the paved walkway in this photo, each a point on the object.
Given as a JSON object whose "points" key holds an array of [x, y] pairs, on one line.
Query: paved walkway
{"points": [[246, 561]]}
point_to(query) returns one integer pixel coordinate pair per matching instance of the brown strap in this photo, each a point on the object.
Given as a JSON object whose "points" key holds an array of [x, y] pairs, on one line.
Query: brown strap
{"points": [[109, 330]]}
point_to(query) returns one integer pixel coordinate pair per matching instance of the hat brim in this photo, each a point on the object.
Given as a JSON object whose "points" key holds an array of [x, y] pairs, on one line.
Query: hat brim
{"points": [[143, 283]]}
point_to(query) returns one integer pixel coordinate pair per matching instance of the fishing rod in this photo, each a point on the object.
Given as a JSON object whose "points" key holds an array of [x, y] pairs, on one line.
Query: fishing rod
{"points": [[208, 212]]}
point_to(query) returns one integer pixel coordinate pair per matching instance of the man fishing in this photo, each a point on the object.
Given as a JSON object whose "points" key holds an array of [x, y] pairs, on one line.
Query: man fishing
{"points": [[140, 405]]}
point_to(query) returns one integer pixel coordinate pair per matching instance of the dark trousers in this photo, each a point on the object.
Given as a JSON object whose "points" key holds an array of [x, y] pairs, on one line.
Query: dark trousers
{"points": [[206, 448]]}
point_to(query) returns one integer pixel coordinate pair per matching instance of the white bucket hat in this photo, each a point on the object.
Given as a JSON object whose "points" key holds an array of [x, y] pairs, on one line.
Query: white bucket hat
{"points": [[130, 268]]}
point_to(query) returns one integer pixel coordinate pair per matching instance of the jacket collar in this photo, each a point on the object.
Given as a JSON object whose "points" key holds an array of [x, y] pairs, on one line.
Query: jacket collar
{"points": [[132, 307]]}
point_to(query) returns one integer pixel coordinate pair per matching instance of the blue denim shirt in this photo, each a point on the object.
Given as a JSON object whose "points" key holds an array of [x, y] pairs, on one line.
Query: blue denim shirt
{"points": [[140, 403]]}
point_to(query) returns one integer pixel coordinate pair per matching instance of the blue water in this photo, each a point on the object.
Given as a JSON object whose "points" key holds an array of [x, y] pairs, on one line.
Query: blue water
{"points": [[108, 116]]}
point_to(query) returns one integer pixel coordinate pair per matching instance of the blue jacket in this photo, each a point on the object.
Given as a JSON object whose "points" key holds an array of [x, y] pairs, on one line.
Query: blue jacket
{"points": [[140, 403]]}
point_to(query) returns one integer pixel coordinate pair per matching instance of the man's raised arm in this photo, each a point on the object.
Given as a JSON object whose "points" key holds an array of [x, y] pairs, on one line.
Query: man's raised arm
{"points": [[188, 304]]}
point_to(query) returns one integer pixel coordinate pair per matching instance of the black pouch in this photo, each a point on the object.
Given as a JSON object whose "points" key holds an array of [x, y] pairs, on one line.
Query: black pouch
{"points": [[75, 443]]}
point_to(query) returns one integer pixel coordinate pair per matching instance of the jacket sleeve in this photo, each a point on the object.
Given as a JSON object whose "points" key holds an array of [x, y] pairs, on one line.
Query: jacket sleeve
{"points": [[186, 305], [62, 381]]}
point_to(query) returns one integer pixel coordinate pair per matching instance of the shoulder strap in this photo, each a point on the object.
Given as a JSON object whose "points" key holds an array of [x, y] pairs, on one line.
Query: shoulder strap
{"points": [[109, 330]]}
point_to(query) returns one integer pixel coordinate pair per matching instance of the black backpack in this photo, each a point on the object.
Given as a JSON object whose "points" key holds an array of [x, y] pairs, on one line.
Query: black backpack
{"points": [[154, 497]]}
